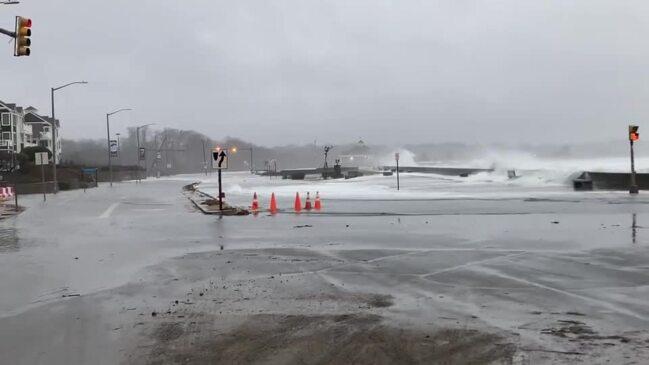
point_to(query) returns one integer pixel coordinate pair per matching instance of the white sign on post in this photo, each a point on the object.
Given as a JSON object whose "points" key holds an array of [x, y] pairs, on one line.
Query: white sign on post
{"points": [[40, 158], [114, 147], [219, 160]]}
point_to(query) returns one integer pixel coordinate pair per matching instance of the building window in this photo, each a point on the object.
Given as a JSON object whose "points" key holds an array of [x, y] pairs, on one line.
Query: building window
{"points": [[6, 119], [6, 136]]}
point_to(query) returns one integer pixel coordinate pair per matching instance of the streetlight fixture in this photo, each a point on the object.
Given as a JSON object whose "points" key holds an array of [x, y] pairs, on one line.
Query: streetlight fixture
{"points": [[54, 144], [252, 166], [137, 136], [110, 162]]}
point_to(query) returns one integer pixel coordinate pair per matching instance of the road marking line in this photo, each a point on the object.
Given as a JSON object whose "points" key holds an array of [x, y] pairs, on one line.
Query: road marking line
{"points": [[109, 211], [614, 307]]}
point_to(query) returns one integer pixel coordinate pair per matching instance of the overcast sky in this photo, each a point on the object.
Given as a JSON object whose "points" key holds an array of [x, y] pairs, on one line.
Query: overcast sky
{"points": [[278, 72]]}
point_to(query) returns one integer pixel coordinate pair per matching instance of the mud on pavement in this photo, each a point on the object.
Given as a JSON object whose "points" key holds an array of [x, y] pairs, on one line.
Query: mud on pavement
{"points": [[273, 307], [356, 338]]}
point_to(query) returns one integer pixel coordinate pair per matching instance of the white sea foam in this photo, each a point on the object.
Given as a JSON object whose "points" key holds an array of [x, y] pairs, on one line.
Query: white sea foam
{"points": [[535, 178]]}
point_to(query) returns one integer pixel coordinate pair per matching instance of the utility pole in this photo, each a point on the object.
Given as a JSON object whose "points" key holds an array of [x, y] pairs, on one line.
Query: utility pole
{"points": [[54, 144], [633, 136]]}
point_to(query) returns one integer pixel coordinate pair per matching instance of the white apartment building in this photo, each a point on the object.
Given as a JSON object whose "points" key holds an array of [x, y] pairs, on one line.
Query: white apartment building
{"points": [[23, 127]]}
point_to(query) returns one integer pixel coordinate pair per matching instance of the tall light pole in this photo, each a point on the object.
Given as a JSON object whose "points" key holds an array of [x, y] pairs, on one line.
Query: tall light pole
{"points": [[110, 162], [54, 146], [137, 136], [252, 167]]}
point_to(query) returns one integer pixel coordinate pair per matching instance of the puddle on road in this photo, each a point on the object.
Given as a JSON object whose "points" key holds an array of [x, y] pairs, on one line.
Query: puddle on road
{"points": [[8, 240]]}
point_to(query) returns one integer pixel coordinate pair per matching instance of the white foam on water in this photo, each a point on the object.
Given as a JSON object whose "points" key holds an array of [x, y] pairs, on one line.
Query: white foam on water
{"points": [[536, 177]]}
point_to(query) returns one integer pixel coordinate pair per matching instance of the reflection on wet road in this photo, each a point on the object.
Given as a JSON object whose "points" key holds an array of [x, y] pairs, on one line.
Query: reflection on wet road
{"points": [[8, 240], [98, 264]]}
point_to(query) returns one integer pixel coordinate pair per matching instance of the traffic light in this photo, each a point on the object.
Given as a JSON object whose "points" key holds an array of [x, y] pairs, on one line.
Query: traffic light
{"points": [[633, 133], [23, 34]]}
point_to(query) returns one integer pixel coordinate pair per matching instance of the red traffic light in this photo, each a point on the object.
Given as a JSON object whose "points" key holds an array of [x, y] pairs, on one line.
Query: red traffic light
{"points": [[633, 133], [25, 22], [23, 32]]}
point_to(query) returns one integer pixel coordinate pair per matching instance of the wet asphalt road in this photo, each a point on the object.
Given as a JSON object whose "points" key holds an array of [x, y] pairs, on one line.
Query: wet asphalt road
{"points": [[81, 271]]}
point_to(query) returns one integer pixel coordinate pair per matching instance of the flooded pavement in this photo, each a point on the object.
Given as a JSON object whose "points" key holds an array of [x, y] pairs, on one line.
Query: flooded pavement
{"points": [[134, 274]]}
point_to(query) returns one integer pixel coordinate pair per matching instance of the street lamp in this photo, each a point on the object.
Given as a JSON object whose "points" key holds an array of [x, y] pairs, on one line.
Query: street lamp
{"points": [[54, 146], [137, 136], [110, 163], [252, 167]]}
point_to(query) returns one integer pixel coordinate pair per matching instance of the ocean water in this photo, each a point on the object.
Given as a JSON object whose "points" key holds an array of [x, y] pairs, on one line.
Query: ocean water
{"points": [[536, 179]]}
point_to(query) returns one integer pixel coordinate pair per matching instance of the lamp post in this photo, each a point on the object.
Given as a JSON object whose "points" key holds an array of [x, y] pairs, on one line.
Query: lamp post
{"points": [[137, 136], [110, 162], [251, 163], [54, 144]]}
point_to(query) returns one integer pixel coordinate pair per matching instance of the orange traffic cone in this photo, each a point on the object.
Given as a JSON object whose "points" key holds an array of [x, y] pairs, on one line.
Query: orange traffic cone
{"points": [[255, 203], [273, 204], [318, 205], [298, 203], [307, 204]]}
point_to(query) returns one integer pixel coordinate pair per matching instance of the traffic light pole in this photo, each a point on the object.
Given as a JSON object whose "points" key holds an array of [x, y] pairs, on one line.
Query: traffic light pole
{"points": [[633, 189], [8, 33]]}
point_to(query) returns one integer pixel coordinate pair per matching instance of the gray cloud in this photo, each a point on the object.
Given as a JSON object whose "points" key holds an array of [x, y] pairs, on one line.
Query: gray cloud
{"points": [[280, 72]]}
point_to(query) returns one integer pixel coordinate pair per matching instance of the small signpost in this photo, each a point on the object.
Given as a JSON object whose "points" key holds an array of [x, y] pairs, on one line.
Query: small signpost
{"points": [[220, 162], [396, 158], [114, 148], [41, 158]]}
